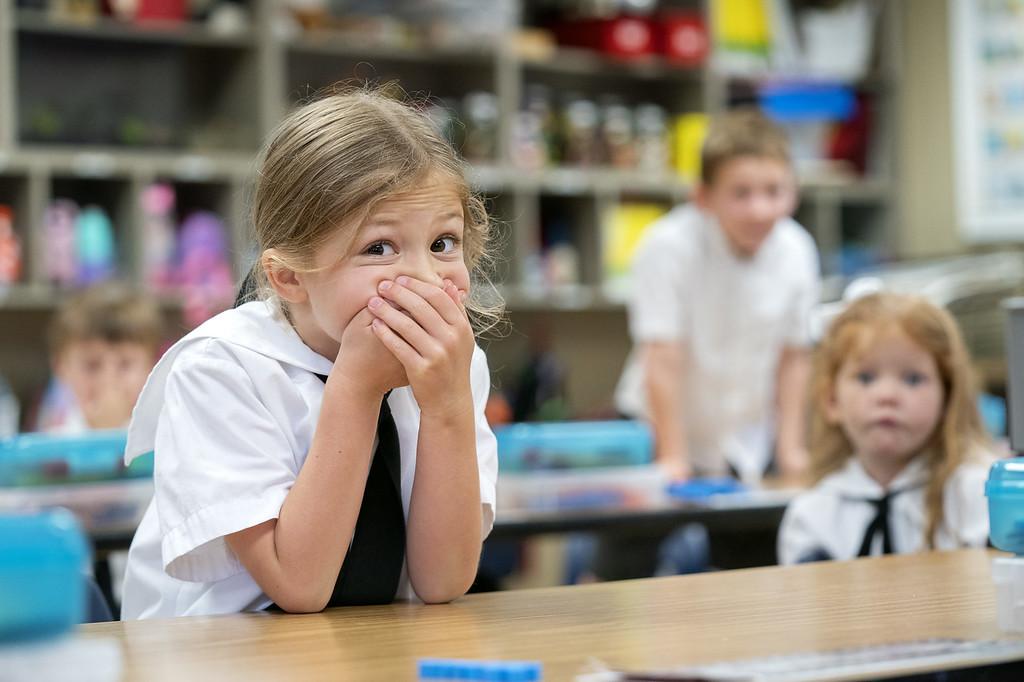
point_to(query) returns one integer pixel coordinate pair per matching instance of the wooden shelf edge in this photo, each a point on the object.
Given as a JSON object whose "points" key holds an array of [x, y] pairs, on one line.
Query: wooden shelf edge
{"points": [[183, 34]]}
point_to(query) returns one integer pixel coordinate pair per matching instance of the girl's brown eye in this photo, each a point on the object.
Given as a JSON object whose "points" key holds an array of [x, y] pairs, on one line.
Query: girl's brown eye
{"points": [[380, 249], [443, 245]]}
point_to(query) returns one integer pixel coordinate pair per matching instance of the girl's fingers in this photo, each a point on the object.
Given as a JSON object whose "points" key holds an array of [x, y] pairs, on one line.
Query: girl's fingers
{"points": [[425, 302], [398, 346], [404, 325], [457, 295]]}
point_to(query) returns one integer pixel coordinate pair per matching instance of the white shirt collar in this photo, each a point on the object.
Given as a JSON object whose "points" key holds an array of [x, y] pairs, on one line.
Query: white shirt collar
{"points": [[258, 327], [853, 480]]}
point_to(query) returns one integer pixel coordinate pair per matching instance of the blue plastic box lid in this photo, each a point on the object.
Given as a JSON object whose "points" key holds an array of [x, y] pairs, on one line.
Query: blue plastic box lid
{"points": [[31, 459], [574, 445]]}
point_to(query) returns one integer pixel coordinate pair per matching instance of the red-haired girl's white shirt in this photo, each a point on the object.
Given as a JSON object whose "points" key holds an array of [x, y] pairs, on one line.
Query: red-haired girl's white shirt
{"points": [[230, 412], [830, 520]]}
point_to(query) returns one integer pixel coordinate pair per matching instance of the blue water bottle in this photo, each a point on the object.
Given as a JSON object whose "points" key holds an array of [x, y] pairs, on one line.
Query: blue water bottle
{"points": [[1005, 492], [42, 558]]}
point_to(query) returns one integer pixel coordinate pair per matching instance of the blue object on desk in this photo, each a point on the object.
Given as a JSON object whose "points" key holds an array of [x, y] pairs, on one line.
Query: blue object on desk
{"points": [[46, 459], [1005, 491], [42, 557], [699, 488], [486, 671], [573, 445]]}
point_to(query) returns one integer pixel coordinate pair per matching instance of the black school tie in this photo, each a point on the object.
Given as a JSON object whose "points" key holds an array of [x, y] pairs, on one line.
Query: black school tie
{"points": [[373, 563], [879, 524]]}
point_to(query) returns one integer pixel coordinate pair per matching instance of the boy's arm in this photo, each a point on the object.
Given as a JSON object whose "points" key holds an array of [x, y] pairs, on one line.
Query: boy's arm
{"points": [[791, 399], [663, 367]]}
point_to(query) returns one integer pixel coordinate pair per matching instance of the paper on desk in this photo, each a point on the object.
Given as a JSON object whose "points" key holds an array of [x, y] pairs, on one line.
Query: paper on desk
{"points": [[61, 660], [867, 662]]}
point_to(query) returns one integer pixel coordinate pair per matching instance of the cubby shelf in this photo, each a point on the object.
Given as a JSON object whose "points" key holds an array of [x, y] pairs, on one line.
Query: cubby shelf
{"points": [[217, 95]]}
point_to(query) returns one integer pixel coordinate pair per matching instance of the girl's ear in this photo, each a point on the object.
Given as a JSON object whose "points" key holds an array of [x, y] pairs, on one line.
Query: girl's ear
{"points": [[286, 283]]}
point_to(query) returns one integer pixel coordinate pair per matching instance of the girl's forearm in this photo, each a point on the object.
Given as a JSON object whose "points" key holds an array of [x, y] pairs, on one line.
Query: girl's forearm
{"points": [[318, 517], [445, 526]]}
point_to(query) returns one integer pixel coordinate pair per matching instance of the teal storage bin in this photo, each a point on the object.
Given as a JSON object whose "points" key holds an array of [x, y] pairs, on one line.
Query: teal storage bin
{"points": [[33, 459], [42, 558], [1005, 492], [573, 445]]}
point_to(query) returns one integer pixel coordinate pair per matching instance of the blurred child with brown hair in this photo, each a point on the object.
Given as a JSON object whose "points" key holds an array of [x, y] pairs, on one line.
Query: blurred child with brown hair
{"points": [[720, 313], [103, 343]]}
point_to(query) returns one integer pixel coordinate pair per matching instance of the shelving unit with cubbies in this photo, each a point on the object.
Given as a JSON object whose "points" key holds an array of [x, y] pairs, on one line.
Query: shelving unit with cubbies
{"points": [[194, 103]]}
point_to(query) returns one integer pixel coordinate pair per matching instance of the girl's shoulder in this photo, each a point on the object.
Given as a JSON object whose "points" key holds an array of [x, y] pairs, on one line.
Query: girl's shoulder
{"points": [[979, 458], [968, 479], [235, 350]]}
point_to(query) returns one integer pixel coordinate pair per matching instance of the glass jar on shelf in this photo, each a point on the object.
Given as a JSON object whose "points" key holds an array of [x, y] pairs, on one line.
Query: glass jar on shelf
{"points": [[480, 111], [617, 138], [534, 131], [582, 143], [652, 147]]}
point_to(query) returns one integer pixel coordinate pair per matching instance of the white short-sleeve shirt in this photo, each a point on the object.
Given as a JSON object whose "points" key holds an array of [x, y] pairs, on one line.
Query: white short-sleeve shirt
{"points": [[830, 520], [230, 412], [735, 316]]}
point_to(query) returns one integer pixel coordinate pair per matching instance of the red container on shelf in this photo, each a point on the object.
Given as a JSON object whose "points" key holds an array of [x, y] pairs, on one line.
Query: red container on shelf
{"points": [[161, 10], [619, 37], [683, 37]]}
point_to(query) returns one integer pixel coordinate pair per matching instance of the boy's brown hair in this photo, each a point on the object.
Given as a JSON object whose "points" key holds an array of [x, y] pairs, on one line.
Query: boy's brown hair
{"points": [[741, 132], [110, 311]]}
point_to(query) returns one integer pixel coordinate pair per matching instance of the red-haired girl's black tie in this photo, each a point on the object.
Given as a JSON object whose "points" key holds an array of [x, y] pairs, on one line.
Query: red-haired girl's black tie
{"points": [[879, 524]]}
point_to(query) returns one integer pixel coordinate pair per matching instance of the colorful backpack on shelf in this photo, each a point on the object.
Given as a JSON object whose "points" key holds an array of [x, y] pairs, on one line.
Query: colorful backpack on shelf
{"points": [[204, 270], [158, 202], [59, 229], [94, 246], [10, 248]]}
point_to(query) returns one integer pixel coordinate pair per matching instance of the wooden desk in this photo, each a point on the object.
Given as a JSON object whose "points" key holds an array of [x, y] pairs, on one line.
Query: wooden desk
{"points": [[634, 624]]}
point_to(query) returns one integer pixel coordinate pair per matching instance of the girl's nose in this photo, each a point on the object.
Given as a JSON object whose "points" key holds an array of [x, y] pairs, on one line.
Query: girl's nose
{"points": [[887, 390], [422, 268]]}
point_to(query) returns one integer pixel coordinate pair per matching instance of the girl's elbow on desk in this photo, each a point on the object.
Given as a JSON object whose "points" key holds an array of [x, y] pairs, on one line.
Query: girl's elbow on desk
{"points": [[301, 601], [440, 594], [440, 585]]}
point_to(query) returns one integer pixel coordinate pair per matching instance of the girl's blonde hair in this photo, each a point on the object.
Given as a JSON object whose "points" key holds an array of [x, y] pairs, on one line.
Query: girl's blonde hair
{"points": [[959, 434], [333, 160]]}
